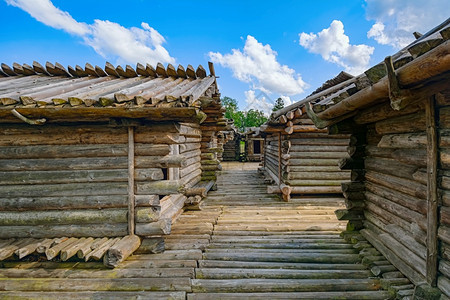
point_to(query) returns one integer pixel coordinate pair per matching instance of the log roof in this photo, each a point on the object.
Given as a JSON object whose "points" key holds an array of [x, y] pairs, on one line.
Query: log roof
{"points": [[415, 72], [55, 93]]}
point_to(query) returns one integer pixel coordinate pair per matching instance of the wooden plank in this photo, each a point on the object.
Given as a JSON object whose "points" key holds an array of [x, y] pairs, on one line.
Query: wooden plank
{"points": [[131, 186], [432, 194]]}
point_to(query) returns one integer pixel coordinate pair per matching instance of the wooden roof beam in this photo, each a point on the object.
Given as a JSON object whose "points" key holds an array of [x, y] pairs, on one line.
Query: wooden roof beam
{"points": [[110, 70], [160, 70], [7, 69], [39, 68]]}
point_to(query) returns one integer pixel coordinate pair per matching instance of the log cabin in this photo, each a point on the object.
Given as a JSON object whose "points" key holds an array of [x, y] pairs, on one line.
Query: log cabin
{"points": [[254, 144], [397, 115], [299, 158], [103, 155]]}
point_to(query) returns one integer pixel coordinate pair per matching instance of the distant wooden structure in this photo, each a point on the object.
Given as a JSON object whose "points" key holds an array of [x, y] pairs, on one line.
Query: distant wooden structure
{"points": [[232, 145], [254, 144], [300, 158], [96, 153], [397, 114]]}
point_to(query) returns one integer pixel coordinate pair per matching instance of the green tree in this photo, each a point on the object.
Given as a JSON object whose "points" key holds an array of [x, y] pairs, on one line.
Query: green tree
{"points": [[279, 104], [231, 107], [254, 118]]}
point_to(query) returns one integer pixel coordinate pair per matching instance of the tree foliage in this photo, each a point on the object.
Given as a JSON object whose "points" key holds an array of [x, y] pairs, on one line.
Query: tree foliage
{"points": [[279, 104], [251, 118]]}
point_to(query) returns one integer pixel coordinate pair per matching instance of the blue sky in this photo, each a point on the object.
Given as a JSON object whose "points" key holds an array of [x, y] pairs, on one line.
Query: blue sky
{"points": [[280, 48]]}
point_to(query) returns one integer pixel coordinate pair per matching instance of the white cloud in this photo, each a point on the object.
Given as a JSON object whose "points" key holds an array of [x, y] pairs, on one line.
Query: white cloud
{"points": [[257, 64], [110, 40], [334, 46], [397, 20], [45, 12], [286, 100], [258, 102]]}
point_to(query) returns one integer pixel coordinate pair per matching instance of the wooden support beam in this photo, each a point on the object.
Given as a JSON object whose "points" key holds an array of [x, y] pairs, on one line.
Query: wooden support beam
{"points": [[432, 194], [131, 204]]}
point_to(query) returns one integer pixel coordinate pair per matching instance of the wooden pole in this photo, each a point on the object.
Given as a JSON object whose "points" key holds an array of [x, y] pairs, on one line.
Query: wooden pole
{"points": [[279, 157], [131, 180], [432, 193]]}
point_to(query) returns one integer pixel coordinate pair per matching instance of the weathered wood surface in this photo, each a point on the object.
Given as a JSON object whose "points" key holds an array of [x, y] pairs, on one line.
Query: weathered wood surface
{"points": [[244, 242]]}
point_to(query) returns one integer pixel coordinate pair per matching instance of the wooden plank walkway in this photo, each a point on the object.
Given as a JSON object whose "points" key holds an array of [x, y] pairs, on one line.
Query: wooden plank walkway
{"points": [[243, 244]]}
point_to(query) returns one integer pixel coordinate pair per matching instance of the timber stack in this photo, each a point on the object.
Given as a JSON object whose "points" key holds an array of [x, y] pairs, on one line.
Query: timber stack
{"points": [[300, 158], [397, 113], [231, 147], [96, 153]]}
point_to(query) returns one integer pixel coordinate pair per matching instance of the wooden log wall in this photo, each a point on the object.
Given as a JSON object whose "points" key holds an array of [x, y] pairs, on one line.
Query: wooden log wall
{"points": [[62, 180], [396, 182], [309, 158], [210, 144], [252, 152], [72, 180], [231, 149], [443, 113]]}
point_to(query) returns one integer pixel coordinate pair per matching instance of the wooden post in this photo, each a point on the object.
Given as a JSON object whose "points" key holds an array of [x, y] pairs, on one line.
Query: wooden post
{"points": [[131, 222], [279, 157], [432, 193]]}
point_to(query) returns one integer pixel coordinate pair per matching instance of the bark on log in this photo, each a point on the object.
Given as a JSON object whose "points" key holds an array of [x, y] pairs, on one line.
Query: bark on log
{"points": [[163, 187], [62, 217], [121, 250], [74, 230], [161, 227]]}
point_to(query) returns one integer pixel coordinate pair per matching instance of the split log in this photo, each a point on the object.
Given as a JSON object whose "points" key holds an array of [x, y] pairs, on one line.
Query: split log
{"points": [[89, 246], [98, 253], [121, 250], [55, 250], [151, 245], [47, 243], [72, 250], [27, 249]]}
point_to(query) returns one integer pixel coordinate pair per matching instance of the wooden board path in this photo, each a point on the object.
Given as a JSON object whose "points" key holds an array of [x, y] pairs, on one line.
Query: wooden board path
{"points": [[243, 244]]}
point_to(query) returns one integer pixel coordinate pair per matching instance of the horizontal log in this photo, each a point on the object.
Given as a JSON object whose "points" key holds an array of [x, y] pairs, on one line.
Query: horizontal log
{"points": [[293, 169], [62, 217], [390, 167], [63, 202], [19, 135], [406, 140], [74, 176], [411, 202], [311, 182], [384, 111], [396, 260], [320, 141], [398, 210], [146, 200], [313, 162], [163, 187], [169, 161], [68, 189], [323, 154], [56, 164], [326, 148], [403, 124], [161, 227], [409, 187], [316, 190], [344, 175], [51, 231]]}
